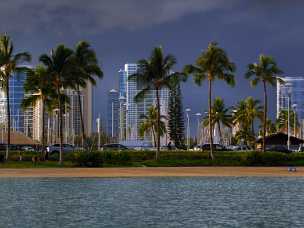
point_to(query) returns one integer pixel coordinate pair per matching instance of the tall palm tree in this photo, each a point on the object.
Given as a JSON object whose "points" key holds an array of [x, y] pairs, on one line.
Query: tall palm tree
{"points": [[212, 64], [10, 62], [87, 69], [154, 74], [60, 65], [149, 124], [253, 110], [265, 71], [221, 116], [39, 89]]}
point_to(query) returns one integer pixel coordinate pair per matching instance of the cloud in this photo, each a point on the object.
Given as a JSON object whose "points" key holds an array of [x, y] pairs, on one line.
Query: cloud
{"points": [[95, 15]]}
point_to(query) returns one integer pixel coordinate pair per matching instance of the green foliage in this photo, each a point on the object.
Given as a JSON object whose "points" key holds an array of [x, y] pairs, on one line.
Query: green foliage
{"points": [[176, 117], [85, 159], [149, 123], [220, 116], [282, 120]]}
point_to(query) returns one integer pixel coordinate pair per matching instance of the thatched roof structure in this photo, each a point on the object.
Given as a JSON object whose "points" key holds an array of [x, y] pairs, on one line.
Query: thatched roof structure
{"points": [[17, 138], [280, 139]]}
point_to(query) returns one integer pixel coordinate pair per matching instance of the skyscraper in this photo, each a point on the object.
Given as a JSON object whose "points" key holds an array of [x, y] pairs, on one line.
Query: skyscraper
{"points": [[293, 87], [113, 114], [292, 91], [71, 117], [21, 120], [129, 124]]}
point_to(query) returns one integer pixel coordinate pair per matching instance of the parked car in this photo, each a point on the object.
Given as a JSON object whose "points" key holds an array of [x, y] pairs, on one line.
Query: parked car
{"points": [[216, 147], [55, 148], [114, 146], [27, 148], [239, 147], [278, 148]]}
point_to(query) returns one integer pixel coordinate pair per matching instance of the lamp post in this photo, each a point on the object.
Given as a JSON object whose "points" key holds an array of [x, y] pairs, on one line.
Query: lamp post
{"points": [[188, 110], [294, 106], [288, 120], [98, 131], [198, 115]]}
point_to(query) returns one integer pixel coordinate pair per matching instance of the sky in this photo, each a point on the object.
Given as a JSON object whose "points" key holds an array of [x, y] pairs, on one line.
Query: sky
{"points": [[124, 31]]}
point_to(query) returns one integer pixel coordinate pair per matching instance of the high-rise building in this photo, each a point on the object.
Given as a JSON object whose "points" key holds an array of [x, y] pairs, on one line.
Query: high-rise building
{"points": [[292, 91], [21, 120], [71, 117], [113, 114], [130, 122]]}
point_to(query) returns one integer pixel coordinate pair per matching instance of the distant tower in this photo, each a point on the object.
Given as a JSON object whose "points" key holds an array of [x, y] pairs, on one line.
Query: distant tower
{"points": [[131, 111], [113, 114]]}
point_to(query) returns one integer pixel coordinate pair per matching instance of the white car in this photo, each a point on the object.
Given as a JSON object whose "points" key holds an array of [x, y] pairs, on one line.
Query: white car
{"points": [[55, 148]]}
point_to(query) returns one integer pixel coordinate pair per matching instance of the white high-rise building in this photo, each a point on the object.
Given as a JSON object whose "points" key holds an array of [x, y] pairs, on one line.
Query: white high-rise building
{"points": [[128, 88], [71, 118], [293, 90]]}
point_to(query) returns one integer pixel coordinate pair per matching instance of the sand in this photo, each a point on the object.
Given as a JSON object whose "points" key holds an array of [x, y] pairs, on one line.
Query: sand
{"points": [[152, 172]]}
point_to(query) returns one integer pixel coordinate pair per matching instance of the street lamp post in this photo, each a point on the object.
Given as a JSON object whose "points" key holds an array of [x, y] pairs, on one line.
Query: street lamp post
{"points": [[98, 131], [188, 110], [294, 106], [288, 121]]}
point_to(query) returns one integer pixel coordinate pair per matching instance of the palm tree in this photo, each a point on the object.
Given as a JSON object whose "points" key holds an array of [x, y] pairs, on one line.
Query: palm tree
{"points": [[245, 114], [87, 68], [154, 74], [60, 65], [10, 63], [220, 115], [265, 71], [38, 88], [212, 64], [149, 124], [282, 120]]}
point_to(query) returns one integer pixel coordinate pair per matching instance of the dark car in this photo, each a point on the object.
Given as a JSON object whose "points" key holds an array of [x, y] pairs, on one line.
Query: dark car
{"points": [[114, 146], [278, 148], [216, 147]]}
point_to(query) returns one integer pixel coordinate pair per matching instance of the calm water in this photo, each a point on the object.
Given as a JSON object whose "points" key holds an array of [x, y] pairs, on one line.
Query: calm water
{"points": [[152, 202]]}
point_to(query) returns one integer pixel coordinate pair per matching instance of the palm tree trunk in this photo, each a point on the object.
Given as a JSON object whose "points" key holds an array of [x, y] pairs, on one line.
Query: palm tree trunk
{"points": [[220, 132], [60, 126], [265, 116], [252, 127], [210, 120], [43, 128], [154, 139], [81, 117], [8, 120], [158, 124]]}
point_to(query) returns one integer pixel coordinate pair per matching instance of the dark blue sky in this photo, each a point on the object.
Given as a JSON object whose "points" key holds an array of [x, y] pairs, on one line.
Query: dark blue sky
{"points": [[126, 30]]}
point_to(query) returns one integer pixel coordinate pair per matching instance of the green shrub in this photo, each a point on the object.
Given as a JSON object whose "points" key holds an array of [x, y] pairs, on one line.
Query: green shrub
{"points": [[267, 159], [85, 159]]}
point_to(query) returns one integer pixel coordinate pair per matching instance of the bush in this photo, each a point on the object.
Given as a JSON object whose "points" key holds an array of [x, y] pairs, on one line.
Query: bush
{"points": [[85, 159], [267, 159]]}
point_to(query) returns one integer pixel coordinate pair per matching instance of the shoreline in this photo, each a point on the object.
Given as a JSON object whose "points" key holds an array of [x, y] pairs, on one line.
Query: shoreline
{"points": [[150, 172]]}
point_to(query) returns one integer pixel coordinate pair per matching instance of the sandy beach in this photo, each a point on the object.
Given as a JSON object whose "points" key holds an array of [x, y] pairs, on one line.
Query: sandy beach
{"points": [[151, 172]]}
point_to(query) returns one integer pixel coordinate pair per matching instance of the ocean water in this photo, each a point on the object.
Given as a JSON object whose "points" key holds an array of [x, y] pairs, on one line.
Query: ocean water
{"points": [[152, 202]]}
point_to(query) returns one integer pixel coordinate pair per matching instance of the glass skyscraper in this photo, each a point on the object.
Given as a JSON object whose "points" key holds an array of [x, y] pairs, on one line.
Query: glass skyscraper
{"points": [[128, 88], [292, 88], [21, 120], [113, 114]]}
